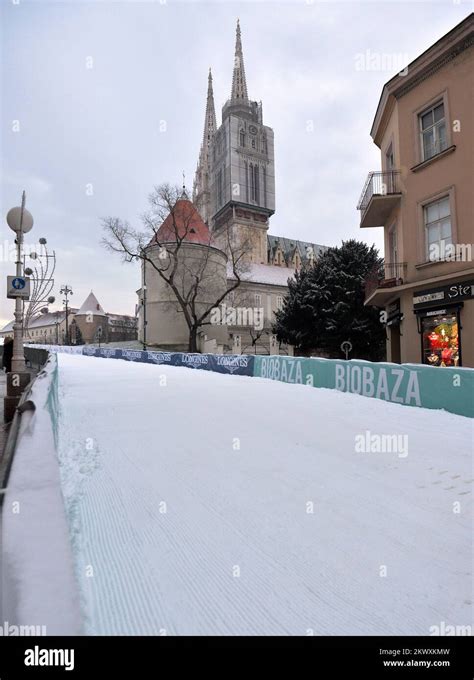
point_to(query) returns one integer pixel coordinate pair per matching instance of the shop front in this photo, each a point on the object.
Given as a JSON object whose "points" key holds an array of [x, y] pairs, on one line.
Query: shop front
{"points": [[439, 314]]}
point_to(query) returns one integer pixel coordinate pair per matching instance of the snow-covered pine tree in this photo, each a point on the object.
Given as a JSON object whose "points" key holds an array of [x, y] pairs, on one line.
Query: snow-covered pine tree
{"points": [[325, 305]]}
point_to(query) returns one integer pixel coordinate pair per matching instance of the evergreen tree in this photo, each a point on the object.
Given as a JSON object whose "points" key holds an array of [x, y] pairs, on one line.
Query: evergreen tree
{"points": [[325, 305]]}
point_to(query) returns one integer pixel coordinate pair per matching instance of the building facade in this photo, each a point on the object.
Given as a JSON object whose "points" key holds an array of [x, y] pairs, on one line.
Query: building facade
{"points": [[423, 199], [88, 324]]}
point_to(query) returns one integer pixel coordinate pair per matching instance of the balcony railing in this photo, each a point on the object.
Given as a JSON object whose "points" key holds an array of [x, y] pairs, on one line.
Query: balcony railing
{"points": [[379, 195], [394, 275]]}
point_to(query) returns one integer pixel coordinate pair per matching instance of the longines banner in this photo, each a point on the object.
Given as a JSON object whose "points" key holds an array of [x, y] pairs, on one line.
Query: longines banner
{"points": [[228, 363], [451, 389]]}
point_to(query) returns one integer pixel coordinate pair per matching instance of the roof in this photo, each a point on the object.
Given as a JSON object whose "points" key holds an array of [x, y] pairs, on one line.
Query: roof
{"points": [[264, 273], [41, 320], [183, 222], [8, 327], [290, 245], [91, 305]]}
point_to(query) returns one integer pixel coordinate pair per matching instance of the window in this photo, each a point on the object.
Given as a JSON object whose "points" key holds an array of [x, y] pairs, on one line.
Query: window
{"points": [[438, 233], [254, 144], [433, 131], [246, 181], [264, 172], [390, 159], [279, 302], [220, 187], [254, 183], [242, 138], [392, 245], [258, 300]]}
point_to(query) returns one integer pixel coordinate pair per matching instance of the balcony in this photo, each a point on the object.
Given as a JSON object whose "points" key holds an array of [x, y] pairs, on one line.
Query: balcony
{"points": [[379, 289], [380, 195]]}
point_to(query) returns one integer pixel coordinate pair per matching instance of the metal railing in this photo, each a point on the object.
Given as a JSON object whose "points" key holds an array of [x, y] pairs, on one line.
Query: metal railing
{"points": [[379, 184], [394, 275]]}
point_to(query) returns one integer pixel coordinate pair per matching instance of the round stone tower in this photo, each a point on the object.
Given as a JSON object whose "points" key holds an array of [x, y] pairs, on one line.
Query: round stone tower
{"points": [[92, 321], [184, 244]]}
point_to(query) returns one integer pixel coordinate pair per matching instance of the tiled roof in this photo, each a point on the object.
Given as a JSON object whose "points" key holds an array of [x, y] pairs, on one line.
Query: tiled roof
{"points": [[184, 222], [290, 245]]}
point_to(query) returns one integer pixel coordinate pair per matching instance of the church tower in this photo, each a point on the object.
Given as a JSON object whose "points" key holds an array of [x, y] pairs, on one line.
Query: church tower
{"points": [[201, 187], [241, 167]]}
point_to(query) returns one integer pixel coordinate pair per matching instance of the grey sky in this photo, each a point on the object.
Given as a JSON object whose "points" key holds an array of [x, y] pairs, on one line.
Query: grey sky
{"points": [[100, 126]]}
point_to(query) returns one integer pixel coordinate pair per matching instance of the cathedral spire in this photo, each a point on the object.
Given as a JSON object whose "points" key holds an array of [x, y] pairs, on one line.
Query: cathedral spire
{"points": [[210, 124], [239, 84], [201, 189]]}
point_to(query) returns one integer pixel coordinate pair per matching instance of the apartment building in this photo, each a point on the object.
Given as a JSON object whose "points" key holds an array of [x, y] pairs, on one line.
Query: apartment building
{"points": [[423, 199]]}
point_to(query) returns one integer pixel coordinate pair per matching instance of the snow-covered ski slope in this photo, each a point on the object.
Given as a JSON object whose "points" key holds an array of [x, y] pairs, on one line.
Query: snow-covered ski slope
{"points": [[202, 503]]}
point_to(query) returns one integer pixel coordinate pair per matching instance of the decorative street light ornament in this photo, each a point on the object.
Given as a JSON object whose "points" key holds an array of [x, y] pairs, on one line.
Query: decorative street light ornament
{"points": [[28, 271], [15, 221], [43, 241], [51, 299]]}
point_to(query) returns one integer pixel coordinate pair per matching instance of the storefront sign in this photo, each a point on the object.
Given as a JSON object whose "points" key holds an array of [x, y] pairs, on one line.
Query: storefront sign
{"points": [[462, 290], [394, 315]]}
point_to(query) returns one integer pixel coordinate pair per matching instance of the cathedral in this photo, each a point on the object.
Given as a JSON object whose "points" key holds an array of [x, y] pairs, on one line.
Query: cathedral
{"points": [[233, 194]]}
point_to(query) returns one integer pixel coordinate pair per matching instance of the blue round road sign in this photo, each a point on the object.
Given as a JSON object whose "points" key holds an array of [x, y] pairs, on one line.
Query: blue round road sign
{"points": [[18, 283]]}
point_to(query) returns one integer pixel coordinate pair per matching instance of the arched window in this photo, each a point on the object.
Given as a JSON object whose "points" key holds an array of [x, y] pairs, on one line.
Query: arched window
{"points": [[246, 181], [255, 192], [254, 145], [242, 138]]}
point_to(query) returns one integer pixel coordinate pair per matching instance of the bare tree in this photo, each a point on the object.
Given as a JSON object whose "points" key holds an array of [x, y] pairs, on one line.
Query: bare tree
{"points": [[190, 280]]}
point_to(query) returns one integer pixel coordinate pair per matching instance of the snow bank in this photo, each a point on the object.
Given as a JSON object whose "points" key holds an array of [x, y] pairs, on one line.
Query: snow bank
{"points": [[39, 588]]}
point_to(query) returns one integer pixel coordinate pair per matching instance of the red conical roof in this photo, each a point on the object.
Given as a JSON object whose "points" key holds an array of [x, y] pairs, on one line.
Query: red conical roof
{"points": [[184, 222]]}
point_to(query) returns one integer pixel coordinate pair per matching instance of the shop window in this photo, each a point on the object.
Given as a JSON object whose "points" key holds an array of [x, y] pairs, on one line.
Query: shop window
{"points": [[433, 131], [441, 340]]}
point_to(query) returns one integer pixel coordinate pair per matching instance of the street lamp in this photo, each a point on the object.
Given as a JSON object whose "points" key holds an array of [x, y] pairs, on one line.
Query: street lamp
{"points": [[21, 222], [65, 290]]}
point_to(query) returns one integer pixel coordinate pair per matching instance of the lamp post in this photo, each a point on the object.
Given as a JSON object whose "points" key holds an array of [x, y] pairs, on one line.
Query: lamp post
{"points": [[144, 303], [20, 221], [66, 290]]}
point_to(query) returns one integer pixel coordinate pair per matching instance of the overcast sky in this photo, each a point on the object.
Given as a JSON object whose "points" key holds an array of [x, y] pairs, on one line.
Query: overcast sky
{"points": [[91, 82]]}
